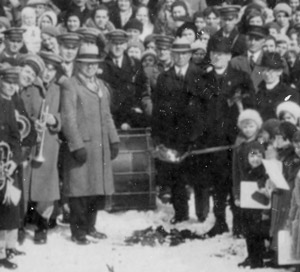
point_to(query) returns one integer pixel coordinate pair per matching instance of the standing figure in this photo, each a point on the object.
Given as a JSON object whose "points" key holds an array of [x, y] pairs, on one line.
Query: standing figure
{"points": [[92, 142], [9, 134]]}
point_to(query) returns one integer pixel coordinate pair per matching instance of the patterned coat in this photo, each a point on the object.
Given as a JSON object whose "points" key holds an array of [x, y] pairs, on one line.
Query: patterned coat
{"points": [[87, 122]]}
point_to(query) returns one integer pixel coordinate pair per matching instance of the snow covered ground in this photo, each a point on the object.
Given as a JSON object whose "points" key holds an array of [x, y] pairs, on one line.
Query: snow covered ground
{"points": [[60, 254]]}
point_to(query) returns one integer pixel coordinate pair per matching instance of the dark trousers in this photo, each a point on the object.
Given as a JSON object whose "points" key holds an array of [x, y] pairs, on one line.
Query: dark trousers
{"points": [[253, 231], [172, 175], [83, 214]]}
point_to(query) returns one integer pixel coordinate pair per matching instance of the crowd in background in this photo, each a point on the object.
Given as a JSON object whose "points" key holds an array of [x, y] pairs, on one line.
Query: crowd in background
{"points": [[217, 76]]}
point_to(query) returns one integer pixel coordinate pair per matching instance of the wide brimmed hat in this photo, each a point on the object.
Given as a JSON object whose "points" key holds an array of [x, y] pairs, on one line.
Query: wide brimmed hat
{"points": [[181, 45], [88, 53], [272, 60]]}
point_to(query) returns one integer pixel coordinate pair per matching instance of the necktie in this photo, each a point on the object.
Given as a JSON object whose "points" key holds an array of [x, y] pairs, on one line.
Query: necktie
{"points": [[252, 62], [117, 63], [180, 75]]}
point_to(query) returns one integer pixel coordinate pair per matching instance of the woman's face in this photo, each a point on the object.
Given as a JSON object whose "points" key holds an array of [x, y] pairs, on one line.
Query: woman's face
{"points": [[204, 37], [282, 19], [269, 46], [124, 5], [189, 35], [178, 12], [134, 52], [73, 23], [257, 20], [200, 23], [46, 21], [198, 56], [142, 15], [288, 117], [148, 61]]}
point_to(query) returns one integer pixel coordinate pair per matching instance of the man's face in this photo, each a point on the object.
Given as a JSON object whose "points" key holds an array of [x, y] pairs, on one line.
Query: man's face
{"points": [[181, 58], [270, 75], [212, 20], [228, 23], [220, 60], [254, 43], [282, 19], [68, 52], [291, 58], [8, 89], [117, 49], [124, 5], [101, 18], [163, 54], [27, 76], [48, 41], [88, 69], [80, 3], [13, 46], [49, 73]]}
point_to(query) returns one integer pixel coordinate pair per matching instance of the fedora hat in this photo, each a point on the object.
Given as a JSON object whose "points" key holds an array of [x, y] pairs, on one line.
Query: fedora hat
{"points": [[181, 45], [88, 53]]}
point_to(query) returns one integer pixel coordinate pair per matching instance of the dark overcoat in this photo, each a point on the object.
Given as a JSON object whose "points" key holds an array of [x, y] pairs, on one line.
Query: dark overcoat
{"points": [[87, 123], [126, 102], [9, 133]]}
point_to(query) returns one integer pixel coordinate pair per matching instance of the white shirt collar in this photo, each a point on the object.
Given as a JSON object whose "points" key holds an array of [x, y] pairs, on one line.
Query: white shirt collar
{"points": [[182, 69], [255, 55]]}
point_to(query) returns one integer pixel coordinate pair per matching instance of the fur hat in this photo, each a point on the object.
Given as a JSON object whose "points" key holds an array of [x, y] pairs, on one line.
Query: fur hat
{"points": [[282, 7], [288, 106], [271, 126], [250, 114]]}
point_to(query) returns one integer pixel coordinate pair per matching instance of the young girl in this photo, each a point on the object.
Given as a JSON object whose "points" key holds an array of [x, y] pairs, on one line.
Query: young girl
{"points": [[288, 111]]}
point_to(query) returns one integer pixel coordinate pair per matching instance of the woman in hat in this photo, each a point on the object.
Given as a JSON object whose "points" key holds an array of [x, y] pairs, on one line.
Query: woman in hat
{"points": [[143, 15], [289, 111], [48, 18], [43, 175], [72, 22], [272, 91]]}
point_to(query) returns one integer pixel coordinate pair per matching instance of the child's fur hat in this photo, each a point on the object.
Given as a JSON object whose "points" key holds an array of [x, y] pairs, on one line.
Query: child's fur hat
{"points": [[288, 106], [250, 114]]}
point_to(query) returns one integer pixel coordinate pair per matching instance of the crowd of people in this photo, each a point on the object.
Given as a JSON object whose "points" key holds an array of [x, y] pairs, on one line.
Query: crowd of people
{"points": [[222, 79]]}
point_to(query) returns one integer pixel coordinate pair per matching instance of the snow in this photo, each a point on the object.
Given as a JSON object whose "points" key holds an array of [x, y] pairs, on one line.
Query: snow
{"points": [[60, 254]]}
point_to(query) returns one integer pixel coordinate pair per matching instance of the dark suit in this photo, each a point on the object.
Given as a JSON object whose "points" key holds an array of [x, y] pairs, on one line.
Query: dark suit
{"points": [[177, 121], [236, 40], [222, 128], [125, 97]]}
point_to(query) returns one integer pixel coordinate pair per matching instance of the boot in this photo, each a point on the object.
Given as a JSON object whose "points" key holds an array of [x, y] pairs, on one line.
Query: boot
{"points": [[219, 228], [12, 252], [245, 263], [7, 264], [40, 235]]}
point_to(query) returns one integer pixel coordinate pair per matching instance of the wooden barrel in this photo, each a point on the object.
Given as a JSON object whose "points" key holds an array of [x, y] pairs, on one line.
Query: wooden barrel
{"points": [[134, 173]]}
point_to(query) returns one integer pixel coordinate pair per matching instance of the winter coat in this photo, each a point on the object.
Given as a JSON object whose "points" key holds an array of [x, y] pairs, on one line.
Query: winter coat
{"points": [[87, 123], [43, 177], [126, 103], [9, 134], [178, 109], [236, 39], [268, 100], [294, 218], [222, 112], [281, 199]]}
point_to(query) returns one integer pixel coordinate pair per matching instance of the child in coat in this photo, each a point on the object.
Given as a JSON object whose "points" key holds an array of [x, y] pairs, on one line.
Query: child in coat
{"points": [[247, 166]]}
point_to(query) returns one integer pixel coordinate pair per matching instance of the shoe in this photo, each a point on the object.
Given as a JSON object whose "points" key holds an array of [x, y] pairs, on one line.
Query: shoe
{"points": [[257, 264], [245, 263], [176, 220], [219, 228], [97, 235], [12, 252], [40, 237], [80, 240], [7, 264]]}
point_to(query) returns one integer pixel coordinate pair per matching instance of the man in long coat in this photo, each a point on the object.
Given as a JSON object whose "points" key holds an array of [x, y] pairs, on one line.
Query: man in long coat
{"points": [[92, 141], [177, 121]]}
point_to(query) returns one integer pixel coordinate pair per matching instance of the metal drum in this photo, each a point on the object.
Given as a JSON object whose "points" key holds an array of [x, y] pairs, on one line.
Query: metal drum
{"points": [[134, 173]]}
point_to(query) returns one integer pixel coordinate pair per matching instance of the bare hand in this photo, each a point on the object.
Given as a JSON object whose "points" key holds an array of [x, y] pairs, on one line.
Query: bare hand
{"points": [[50, 119]]}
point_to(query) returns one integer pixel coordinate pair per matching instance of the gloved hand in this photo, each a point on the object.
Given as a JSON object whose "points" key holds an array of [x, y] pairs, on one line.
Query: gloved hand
{"points": [[114, 150], [80, 155]]}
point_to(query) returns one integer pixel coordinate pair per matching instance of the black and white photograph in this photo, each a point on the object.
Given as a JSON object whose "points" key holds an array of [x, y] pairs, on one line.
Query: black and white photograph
{"points": [[150, 135]]}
